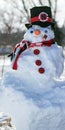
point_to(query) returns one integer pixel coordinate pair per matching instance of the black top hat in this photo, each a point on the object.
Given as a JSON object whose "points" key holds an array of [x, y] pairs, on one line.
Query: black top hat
{"points": [[41, 16]]}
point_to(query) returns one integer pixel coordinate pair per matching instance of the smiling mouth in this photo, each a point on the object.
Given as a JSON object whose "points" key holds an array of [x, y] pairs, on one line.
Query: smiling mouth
{"points": [[45, 37]]}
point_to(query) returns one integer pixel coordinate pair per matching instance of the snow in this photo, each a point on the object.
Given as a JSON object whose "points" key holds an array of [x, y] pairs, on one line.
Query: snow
{"points": [[35, 101], [45, 111]]}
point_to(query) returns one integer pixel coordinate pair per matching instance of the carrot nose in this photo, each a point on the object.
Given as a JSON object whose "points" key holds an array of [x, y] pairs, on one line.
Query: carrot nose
{"points": [[37, 32]]}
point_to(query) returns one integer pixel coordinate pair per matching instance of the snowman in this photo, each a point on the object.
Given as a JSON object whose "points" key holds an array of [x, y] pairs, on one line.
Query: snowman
{"points": [[37, 57], [32, 93]]}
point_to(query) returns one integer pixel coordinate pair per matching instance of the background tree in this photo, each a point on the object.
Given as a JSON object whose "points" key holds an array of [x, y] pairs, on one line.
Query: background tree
{"points": [[15, 14]]}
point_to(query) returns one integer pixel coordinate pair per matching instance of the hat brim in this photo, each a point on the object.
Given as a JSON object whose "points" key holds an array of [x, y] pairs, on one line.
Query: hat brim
{"points": [[29, 25]]}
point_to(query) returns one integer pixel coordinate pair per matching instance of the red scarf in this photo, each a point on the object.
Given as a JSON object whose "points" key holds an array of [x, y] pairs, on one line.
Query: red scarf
{"points": [[30, 45], [43, 43]]}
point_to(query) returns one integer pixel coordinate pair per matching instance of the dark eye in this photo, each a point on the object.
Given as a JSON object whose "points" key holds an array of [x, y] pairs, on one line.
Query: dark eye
{"points": [[46, 31], [31, 31]]}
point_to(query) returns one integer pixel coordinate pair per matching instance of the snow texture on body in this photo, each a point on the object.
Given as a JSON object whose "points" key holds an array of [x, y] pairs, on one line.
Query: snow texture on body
{"points": [[34, 98]]}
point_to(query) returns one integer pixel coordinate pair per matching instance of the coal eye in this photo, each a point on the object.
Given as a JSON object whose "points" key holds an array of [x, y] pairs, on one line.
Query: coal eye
{"points": [[31, 31], [46, 31]]}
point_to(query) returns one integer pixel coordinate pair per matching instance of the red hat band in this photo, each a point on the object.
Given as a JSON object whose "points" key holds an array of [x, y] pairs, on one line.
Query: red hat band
{"points": [[43, 17]]}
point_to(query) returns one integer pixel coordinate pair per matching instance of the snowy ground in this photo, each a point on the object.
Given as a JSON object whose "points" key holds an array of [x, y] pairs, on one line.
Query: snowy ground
{"points": [[43, 112]]}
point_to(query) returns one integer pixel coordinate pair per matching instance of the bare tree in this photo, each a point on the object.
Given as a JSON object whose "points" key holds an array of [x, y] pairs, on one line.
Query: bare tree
{"points": [[53, 6], [20, 14], [8, 24], [24, 10]]}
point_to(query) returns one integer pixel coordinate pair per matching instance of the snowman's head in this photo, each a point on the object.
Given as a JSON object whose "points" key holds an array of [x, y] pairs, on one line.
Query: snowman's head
{"points": [[39, 34]]}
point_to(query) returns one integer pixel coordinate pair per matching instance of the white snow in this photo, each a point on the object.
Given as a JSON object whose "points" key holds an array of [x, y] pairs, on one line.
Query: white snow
{"points": [[34, 112]]}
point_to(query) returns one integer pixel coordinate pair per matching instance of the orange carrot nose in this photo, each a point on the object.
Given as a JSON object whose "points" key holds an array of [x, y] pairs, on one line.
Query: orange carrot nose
{"points": [[37, 32]]}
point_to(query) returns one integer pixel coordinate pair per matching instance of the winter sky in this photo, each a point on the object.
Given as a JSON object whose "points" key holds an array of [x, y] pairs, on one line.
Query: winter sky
{"points": [[61, 12]]}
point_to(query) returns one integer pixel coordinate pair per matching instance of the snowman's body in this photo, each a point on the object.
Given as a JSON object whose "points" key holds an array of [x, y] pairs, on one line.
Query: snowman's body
{"points": [[40, 64]]}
